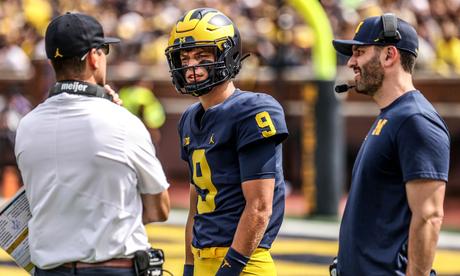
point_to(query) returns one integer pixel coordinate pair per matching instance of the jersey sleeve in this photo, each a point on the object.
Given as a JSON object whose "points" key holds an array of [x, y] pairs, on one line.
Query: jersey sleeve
{"points": [[423, 148], [182, 139], [260, 117], [258, 161]]}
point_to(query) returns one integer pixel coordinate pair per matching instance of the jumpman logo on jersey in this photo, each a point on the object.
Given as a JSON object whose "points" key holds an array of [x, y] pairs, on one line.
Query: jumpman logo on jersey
{"points": [[57, 54], [226, 264], [186, 141], [211, 140]]}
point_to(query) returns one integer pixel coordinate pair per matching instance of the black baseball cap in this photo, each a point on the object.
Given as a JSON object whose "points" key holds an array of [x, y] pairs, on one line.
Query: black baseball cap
{"points": [[371, 32], [74, 34]]}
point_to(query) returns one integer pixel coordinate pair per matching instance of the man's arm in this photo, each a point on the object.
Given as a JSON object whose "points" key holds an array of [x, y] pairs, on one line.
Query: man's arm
{"points": [[256, 215], [425, 199], [251, 227], [189, 226], [155, 207]]}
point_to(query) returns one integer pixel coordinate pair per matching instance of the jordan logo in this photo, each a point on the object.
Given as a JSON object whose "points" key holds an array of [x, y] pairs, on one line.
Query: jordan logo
{"points": [[57, 54], [211, 140], [186, 141], [226, 264]]}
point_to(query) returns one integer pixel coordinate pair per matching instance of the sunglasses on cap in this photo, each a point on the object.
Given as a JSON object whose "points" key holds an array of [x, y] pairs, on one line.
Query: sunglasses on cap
{"points": [[105, 48]]}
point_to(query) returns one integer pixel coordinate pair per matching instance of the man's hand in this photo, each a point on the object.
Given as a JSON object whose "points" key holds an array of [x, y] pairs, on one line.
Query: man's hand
{"points": [[155, 207], [115, 98]]}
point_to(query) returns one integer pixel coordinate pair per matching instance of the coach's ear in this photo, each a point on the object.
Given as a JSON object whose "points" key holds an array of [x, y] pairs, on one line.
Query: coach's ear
{"points": [[390, 54], [93, 59]]}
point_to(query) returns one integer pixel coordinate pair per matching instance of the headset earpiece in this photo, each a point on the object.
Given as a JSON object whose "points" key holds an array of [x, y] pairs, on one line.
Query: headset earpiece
{"points": [[390, 32]]}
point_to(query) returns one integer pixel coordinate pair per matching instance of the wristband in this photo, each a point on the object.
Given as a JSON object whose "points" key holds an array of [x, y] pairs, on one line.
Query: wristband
{"points": [[233, 263], [188, 270]]}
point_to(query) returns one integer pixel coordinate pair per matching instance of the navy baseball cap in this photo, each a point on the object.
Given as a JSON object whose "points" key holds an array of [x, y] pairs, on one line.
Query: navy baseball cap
{"points": [[371, 32], [74, 34]]}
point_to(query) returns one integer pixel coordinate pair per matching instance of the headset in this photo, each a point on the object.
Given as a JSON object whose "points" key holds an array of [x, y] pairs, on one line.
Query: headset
{"points": [[390, 33]]}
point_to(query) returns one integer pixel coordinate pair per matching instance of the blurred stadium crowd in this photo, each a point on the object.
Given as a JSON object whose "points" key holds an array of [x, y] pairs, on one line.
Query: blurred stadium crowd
{"points": [[266, 26]]}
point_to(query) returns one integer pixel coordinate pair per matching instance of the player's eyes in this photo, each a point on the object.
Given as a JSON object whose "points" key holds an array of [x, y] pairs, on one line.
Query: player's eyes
{"points": [[207, 57], [184, 60], [199, 56]]}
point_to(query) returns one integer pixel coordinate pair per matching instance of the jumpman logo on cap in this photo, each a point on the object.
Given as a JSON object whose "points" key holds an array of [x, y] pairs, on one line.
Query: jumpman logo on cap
{"points": [[57, 54]]}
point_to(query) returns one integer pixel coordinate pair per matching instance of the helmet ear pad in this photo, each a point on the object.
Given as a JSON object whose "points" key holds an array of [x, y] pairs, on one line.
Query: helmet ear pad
{"points": [[231, 55]]}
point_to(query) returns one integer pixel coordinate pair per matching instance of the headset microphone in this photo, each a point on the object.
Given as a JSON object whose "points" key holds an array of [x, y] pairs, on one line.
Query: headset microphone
{"points": [[343, 88]]}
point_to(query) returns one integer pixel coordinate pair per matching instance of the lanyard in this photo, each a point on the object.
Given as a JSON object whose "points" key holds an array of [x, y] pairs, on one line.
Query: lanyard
{"points": [[79, 88]]}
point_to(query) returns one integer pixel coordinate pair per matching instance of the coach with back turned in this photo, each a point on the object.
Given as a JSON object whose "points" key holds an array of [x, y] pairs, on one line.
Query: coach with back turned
{"points": [[89, 167]]}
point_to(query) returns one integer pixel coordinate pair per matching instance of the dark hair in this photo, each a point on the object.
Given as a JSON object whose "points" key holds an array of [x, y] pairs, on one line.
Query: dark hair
{"points": [[69, 68], [407, 61]]}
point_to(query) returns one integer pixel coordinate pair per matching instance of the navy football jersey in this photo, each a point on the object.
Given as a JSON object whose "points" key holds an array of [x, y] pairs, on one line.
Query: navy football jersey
{"points": [[408, 141], [211, 141]]}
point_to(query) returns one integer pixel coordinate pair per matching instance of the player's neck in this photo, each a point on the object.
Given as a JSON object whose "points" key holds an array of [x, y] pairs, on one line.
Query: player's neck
{"points": [[217, 95]]}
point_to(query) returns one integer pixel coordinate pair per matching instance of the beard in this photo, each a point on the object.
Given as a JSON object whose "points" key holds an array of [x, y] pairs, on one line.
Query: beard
{"points": [[372, 76]]}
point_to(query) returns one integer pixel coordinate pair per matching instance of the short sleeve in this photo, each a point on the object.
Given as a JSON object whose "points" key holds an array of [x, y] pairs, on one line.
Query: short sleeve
{"points": [[424, 148], [258, 161], [182, 139], [261, 118], [141, 152]]}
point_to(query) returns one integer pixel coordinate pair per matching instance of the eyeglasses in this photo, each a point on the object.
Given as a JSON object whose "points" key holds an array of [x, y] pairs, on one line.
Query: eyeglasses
{"points": [[105, 48]]}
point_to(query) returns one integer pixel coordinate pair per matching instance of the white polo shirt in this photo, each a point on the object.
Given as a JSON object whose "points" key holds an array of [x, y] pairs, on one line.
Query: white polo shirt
{"points": [[85, 161]]}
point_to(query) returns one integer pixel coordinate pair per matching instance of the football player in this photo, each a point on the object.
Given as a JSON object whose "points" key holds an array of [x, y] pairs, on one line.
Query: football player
{"points": [[231, 140]]}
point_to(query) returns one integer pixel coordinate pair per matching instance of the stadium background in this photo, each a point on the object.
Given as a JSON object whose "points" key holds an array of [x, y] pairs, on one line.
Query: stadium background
{"points": [[283, 41]]}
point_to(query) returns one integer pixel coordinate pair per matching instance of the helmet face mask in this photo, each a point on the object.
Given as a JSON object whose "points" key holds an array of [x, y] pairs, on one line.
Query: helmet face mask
{"points": [[195, 87], [204, 28]]}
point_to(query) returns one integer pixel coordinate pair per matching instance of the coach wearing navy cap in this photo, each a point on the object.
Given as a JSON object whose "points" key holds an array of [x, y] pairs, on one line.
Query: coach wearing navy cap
{"points": [[70, 39], [90, 172], [394, 210]]}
